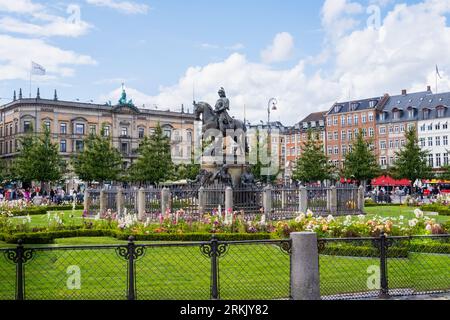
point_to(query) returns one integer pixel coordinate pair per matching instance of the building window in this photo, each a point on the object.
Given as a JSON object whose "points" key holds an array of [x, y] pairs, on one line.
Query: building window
{"points": [[383, 130], [431, 160], [391, 144], [397, 129], [63, 128], [423, 128], [93, 129], [430, 127], [124, 148], [364, 132], [106, 131], [79, 129], [343, 121], [391, 129], [445, 140], [330, 151], [383, 145], [397, 144], [124, 132], [47, 125], [329, 122], [141, 133], [343, 135], [382, 116], [350, 135], [370, 117], [410, 127], [426, 114], [438, 141], [402, 143], [344, 150], [422, 142], [411, 113], [26, 126], [79, 145], [364, 118], [336, 150], [335, 121], [168, 134], [383, 161], [350, 148], [446, 159], [336, 136], [355, 120], [440, 113], [349, 120], [371, 132], [63, 146], [438, 126], [430, 141], [330, 136], [402, 128], [445, 126], [438, 160]]}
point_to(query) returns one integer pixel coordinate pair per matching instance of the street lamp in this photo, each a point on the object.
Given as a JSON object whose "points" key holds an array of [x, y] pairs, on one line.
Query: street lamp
{"points": [[271, 106]]}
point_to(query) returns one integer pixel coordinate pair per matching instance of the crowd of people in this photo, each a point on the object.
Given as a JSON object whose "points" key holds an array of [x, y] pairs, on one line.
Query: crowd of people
{"points": [[385, 194], [54, 195]]}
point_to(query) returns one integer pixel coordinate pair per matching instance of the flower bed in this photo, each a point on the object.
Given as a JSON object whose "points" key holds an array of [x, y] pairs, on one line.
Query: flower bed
{"points": [[24, 208]]}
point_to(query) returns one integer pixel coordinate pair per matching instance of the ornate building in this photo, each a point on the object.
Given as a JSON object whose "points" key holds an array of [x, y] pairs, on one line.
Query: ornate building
{"points": [[71, 122]]}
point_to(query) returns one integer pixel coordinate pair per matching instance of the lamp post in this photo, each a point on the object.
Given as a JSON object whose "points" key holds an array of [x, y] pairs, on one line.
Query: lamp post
{"points": [[271, 106]]}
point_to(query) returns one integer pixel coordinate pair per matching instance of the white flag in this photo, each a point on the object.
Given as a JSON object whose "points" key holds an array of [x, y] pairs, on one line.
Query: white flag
{"points": [[37, 69], [437, 72]]}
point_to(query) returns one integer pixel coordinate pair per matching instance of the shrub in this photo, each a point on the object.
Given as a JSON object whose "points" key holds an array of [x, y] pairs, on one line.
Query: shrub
{"points": [[442, 210]]}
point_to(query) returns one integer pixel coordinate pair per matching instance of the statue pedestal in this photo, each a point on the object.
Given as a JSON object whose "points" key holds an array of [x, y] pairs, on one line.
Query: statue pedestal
{"points": [[235, 170]]}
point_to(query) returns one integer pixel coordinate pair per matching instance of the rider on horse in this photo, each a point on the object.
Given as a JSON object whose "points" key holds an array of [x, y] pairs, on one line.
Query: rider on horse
{"points": [[222, 105]]}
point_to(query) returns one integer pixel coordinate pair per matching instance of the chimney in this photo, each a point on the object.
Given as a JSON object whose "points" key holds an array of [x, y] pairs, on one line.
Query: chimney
{"points": [[38, 94], [55, 97], [20, 94], [404, 92], [429, 88], [14, 97]]}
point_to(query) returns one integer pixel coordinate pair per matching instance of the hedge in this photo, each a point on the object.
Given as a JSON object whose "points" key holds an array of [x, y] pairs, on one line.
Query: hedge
{"points": [[48, 237], [442, 210], [41, 210], [367, 205]]}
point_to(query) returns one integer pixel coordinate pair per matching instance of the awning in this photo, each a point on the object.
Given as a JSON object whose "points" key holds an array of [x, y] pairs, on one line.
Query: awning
{"points": [[390, 182]]}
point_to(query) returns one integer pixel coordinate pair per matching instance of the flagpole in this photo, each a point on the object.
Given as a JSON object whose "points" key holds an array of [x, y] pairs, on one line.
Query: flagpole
{"points": [[31, 72]]}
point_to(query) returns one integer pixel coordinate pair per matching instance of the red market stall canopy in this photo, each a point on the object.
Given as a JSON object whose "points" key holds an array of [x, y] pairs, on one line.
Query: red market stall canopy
{"points": [[390, 182]]}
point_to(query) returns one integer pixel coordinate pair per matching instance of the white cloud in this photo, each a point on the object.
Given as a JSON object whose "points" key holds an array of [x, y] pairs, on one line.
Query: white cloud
{"points": [[402, 54], [16, 56], [280, 50], [127, 7], [19, 6], [337, 17], [235, 47]]}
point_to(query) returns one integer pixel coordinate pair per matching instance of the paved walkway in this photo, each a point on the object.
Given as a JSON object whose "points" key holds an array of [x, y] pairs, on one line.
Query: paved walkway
{"points": [[445, 296]]}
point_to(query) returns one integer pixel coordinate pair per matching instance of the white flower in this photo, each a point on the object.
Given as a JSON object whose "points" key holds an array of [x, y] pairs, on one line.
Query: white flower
{"points": [[429, 227], [309, 213], [413, 223], [300, 218], [418, 213], [361, 217], [330, 218], [401, 217]]}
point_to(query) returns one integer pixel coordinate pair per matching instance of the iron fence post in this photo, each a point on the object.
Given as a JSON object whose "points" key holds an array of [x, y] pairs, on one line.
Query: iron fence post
{"points": [[131, 277], [19, 269], [214, 270], [384, 290]]}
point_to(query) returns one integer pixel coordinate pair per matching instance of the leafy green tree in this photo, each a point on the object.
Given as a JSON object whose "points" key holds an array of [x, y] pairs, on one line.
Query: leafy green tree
{"points": [[99, 161], [38, 159], [186, 171], [412, 161], [312, 165], [154, 164], [361, 163]]}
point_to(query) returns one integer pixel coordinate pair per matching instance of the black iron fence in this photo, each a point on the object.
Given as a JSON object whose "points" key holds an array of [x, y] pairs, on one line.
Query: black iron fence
{"points": [[249, 270], [318, 199], [386, 266]]}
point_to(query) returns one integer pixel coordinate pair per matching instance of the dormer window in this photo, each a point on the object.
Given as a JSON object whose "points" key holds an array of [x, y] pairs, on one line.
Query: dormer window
{"points": [[382, 116], [396, 113], [313, 124], [426, 113], [440, 111], [354, 106], [305, 125], [337, 108], [373, 103]]}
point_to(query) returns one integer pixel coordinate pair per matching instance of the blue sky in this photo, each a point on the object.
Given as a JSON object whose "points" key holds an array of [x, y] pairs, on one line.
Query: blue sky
{"points": [[308, 54]]}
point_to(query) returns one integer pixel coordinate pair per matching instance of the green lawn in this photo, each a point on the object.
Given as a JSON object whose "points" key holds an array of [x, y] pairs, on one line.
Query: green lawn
{"points": [[181, 272], [42, 220], [397, 211]]}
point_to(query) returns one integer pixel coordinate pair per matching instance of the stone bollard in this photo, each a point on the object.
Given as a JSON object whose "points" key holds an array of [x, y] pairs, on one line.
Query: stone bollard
{"points": [[267, 201], [333, 200], [305, 277], [303, 201], [102, 201], [119, 201], [229, 199], [361, 199], [86, 200], [165, 200], [201, 201], [141, 204]]}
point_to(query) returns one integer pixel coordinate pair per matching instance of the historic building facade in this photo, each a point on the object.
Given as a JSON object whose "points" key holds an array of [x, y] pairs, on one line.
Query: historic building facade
{"points": [[399, 114], [297, 135], [345, 120], [433, 128], [71, 122]]}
